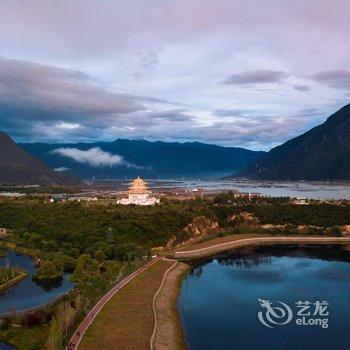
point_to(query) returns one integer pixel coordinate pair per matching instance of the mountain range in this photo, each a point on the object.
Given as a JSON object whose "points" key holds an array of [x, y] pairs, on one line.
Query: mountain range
{"points": [[19, 167], [322, 153], [129, 158]]}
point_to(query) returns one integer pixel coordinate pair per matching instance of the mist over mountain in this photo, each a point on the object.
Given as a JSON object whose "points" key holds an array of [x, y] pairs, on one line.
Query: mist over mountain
{"points": [[129, 158], [19, 167], [322, 153]]}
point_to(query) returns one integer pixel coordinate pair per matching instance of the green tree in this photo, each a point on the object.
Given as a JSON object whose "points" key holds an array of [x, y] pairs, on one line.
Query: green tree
{"points": [[127, 251], [49, 270], [99, 256], [54, 339]]}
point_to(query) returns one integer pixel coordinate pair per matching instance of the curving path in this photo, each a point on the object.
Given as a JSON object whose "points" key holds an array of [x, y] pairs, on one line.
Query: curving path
{"points": [[238, 243], [77, 336], [168, 331], [154, 302]]}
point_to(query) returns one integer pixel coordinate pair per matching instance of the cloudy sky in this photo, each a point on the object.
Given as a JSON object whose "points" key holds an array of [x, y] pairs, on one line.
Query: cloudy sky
{"points": [[231, 72]]}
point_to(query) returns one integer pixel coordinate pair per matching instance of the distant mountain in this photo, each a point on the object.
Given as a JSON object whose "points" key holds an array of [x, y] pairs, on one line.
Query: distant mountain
{"points": [[323, 153], [129, 158], [19, 167]]}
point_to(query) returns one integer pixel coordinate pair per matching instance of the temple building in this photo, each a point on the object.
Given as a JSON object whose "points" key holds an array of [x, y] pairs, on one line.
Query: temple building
{"points": [[138, 194]]}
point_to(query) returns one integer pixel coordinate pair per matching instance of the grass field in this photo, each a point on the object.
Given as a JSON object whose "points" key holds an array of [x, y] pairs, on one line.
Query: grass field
{"points": [[127, 321], [220, 240], [26, 338]]}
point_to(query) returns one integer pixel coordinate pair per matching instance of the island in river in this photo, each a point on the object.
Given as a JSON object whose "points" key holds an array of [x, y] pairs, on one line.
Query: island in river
{"points": [[9, 276]]}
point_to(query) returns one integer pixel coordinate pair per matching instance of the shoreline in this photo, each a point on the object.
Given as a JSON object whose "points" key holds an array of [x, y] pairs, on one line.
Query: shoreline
{"points": [[162, 340], [13, 282], [168, 331], [207, 250], [36, 308]]}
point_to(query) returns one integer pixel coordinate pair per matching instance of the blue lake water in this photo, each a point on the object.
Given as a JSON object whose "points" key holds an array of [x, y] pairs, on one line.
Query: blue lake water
{"points": [[28, 293], [219, 300]]}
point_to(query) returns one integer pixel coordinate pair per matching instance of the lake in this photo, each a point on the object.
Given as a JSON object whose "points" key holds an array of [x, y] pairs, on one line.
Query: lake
{"points": [[28, 293], [219, 300]]}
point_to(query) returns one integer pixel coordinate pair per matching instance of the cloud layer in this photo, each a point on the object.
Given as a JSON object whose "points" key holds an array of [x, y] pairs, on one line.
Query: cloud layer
{"points": [[186, 70], [256, 77], [338, 79], [94, 157]]}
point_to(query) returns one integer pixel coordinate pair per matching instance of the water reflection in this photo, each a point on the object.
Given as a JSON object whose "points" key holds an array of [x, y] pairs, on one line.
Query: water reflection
{"points": [[218, 302], [30, 293], [48, 285]]}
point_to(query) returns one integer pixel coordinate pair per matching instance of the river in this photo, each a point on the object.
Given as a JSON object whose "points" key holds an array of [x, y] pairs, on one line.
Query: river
{"points": [[295, 189], [28, 293], [312, 190], [221, 300]]}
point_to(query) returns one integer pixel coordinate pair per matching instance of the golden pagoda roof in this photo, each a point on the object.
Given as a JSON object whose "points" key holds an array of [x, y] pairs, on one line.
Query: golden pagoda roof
{"points": [[138, 186]]}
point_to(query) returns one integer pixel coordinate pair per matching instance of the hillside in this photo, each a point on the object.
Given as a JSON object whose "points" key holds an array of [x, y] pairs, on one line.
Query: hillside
{"points": [[19, 167], [322, 153], [144, 158]]}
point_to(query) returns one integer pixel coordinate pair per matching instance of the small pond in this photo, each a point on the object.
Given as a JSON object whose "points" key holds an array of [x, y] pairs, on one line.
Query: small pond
{"points": [[251, 300], [28, 293]]}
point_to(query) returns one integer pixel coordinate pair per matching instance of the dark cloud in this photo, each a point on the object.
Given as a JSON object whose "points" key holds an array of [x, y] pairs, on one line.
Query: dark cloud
{"points": [[176, 115], [301, 87], [255, 132], [31, 87], [232, 112], [49, 102], [338, 79], [255, 77], [310, 112], [45, 103]]}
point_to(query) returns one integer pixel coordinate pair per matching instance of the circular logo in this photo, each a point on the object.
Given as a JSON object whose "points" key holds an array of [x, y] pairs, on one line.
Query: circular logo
{"points": [[274, 315]]}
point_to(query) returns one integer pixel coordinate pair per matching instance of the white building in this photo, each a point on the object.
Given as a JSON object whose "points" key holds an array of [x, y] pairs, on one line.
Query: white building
{"points": [[138, 194], [12, 194]]}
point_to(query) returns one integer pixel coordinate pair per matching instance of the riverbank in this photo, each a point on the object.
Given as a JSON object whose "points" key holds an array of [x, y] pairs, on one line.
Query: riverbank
{"points": [[168, 331], [222, 244], [13, 282]]}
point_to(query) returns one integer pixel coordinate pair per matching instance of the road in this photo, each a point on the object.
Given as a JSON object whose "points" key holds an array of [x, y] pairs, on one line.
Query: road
{"points": [[77, 336], [221, 247]]}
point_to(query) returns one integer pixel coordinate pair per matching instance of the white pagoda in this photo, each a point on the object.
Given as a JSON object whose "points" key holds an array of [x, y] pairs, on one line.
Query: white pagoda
{"points": [[139, 194]]}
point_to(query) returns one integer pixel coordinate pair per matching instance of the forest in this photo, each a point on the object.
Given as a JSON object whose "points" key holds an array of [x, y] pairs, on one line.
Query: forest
{"points": [[100, 243]]}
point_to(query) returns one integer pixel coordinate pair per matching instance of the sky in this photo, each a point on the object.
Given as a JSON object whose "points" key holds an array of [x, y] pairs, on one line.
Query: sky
{"points": [[240, 73]]}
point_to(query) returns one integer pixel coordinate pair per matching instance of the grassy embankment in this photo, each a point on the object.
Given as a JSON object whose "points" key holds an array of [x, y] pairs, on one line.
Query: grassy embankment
{"points": [[26, 338], [127, 320], [168, 332]]}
